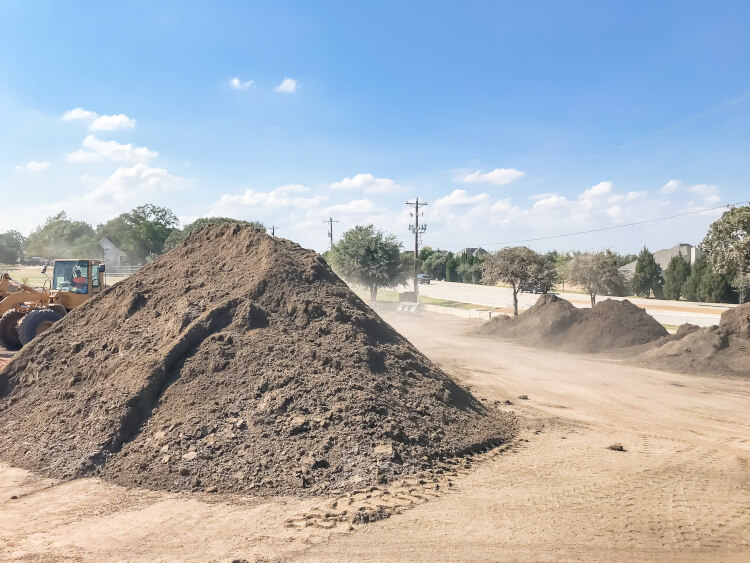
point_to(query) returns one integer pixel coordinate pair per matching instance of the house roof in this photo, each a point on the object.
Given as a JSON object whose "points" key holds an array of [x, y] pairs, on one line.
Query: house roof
{"points": [[662, 257]]}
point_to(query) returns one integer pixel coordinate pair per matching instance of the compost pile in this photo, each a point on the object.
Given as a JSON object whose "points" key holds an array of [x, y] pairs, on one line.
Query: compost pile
{"points": [[718, 350], [556, 323], [236, 362]]}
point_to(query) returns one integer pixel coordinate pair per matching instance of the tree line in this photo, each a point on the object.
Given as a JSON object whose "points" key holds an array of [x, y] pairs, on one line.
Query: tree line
{"points": [[722, 274], [368, 256], [142, 233]]}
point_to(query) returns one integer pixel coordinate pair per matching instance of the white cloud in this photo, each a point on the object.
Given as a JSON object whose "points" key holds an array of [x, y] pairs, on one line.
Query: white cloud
{"points": [[287, 86], [33, 166], [130, 183], [704, 189], [502, 205], [551, 201], [709, 193], [79, 113], [671, 186], [600, 189], [497, 177], [368, 184], [97, 150], [460, 197], [112, 122], [238, 84], [354, 207], [100, 122], [278, 198], [615, 211]]}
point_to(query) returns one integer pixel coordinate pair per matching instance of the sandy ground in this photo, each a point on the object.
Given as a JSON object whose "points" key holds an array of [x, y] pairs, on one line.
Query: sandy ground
{"points": [[680, 492]]}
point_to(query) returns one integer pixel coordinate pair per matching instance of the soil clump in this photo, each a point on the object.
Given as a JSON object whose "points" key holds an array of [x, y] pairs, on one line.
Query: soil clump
{"points": [[237, 362], [717, 350], [556, 323]]}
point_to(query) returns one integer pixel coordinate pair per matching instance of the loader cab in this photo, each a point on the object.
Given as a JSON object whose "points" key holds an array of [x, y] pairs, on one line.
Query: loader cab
{"points": [[76, 281]]}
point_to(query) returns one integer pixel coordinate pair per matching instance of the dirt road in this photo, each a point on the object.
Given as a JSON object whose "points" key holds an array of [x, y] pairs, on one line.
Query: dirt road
{"points": [[680, 492]]}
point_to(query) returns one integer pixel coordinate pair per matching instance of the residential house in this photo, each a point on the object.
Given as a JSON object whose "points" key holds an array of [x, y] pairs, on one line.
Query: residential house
{"points": [[689, 252], [113, 256]]}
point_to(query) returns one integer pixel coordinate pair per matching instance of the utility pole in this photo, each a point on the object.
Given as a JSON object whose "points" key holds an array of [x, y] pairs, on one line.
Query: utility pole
{"points": [[273, 231], [330, 222], [418, 230]]}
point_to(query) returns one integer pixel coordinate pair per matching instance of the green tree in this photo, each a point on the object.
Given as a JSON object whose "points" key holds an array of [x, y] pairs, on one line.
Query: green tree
{"points": [[367, 256], [545, 272], [596, 272], [741, 284], [425, 253], [703, 284], [450, 267], [727, 242], [434, 265], [692, 287], [61, 237], [178, 235], [647, 279], [562, 267], [142, 232], [675, 276], [515, 266], [623, 259], [11, 247], [464, 272]]}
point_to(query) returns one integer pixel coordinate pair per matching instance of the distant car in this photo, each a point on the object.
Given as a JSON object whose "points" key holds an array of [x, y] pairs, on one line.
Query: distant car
{"points": [[423, 278], [534, 287]]}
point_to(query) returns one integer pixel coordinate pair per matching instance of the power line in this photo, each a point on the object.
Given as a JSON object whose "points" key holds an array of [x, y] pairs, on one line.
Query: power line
{"points": [[677, 124], [668, 217]]}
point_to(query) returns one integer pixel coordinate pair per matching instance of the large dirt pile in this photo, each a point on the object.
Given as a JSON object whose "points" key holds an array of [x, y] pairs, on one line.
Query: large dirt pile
{"points": [[236, 362], [555, 323], [718, 350]]}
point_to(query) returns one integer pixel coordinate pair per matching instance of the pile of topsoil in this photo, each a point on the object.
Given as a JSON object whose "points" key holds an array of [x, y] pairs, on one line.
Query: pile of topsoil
{"points": [[718, 350], [556, 323], [236, 362]]}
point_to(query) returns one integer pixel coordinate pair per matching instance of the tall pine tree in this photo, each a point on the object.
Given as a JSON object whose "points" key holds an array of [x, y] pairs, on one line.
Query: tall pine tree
{"points": [[647, 279]]}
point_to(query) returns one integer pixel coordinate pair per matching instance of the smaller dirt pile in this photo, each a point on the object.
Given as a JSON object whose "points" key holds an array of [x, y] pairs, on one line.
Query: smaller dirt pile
{"points": [[717, 350], [555, 323]]}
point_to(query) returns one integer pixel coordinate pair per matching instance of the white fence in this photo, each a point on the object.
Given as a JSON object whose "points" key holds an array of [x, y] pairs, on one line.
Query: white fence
{"points": [[121, 271]]}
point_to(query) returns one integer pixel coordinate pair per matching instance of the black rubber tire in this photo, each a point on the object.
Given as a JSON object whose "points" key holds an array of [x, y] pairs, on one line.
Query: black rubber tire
{"points": [[9, 337], [33, 321], [58, 309]]}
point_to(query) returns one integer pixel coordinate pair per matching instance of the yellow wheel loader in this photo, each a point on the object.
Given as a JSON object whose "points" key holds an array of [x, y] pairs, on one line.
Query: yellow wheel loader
{"points": [[26, 312]]}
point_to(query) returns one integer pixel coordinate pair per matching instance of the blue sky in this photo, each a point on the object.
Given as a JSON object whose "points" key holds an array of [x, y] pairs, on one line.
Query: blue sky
{"points": [[513, 120]]}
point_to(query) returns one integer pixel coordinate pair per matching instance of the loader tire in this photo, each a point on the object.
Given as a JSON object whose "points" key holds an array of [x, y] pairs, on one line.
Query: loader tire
{"points": [[58, 309], [35, 323], [9, 337]]}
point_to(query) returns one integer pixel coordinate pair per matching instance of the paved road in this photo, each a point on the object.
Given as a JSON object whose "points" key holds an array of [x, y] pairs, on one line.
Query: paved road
{"points": [[667, 312]]}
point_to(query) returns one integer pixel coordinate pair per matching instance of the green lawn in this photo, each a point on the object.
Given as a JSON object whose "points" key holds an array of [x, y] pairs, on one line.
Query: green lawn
{"points": [[30, 275]]}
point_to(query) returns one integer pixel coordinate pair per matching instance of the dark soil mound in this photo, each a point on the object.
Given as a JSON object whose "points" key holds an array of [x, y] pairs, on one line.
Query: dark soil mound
{"points": [[545, 324], [613, 324], [236, 362], [555, 323], [718, 350]]}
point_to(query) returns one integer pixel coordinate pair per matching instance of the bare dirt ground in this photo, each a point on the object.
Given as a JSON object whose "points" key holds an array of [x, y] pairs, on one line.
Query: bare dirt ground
{"points": [[680, 491]]}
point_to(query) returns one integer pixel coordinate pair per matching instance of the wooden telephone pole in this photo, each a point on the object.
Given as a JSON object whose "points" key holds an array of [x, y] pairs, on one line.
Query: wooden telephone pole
{"points": [[418, 230]]}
